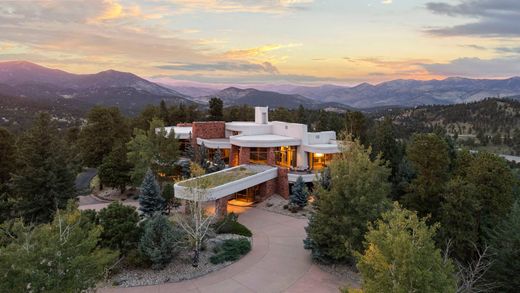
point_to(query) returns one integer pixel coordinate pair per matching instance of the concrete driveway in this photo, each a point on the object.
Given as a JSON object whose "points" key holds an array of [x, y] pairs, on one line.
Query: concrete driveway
{"points": [[277, 263]]}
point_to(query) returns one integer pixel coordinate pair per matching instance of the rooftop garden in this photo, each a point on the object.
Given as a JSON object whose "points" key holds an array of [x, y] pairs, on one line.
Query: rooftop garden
{"points": [[219, 178]]}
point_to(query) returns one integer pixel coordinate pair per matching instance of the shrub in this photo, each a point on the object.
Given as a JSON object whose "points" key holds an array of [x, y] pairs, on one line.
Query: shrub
{"points": [[120, 230], [135, 259], [159, 241], [299, 195], [229, 225], [230, 250]]}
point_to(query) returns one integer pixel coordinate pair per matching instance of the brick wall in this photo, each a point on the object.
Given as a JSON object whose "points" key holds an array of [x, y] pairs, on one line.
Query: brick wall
{"points": [[244, 155], [271, 160], [282, 182], [267, 189], [208, 129], [184, 124]]}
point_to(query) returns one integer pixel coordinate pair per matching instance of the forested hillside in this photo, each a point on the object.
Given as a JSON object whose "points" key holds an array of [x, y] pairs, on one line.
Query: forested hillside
{"points": [[490, 122]]}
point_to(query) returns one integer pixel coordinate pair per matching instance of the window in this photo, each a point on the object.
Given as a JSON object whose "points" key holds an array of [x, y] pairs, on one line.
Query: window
{"points": [[319, 161], [258, 155], [286, 156], [223, 152]]}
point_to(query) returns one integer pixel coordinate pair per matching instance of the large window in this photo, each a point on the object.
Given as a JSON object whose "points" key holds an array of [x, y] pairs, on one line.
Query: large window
{"points": [[223, 152], [258, 155], [286, 156], [319, 161]]}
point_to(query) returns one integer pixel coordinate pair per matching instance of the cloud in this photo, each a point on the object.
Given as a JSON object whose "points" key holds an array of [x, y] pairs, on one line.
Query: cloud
{"points": [[256, 52], [492, 18], [514, 50], [473, 46], [258, 78], [386, 2], [476, 67], [222, 66], [251, 6]]}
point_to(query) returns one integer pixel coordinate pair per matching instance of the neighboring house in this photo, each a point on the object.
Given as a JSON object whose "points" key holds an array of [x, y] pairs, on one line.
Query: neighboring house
{"points": [[271, 155]]}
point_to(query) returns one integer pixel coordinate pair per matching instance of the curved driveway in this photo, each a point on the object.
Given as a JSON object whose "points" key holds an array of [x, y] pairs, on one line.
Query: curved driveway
{"points": [[277, 263]]}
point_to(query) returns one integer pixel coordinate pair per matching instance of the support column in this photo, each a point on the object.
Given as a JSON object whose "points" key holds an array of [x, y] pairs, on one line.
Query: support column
{"points": [[271, 160], [282, 182], [244, 155], [221, 208]]}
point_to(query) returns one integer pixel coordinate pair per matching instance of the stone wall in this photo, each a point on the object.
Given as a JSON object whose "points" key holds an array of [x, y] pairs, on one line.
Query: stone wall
{"points": [[267, 189]]}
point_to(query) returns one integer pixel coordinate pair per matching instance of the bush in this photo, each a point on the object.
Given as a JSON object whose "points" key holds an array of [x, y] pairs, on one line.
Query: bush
{"points": [[160, 241], [120, 230], [230, 250], [135, 259], [229, 225]]}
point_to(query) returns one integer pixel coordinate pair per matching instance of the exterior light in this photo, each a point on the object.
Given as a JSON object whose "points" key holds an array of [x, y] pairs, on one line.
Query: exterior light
{"points": [[318, 155]]}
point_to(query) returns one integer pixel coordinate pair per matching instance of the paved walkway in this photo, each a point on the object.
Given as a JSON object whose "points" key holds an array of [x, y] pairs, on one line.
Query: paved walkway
{"points": [[277, 263]]}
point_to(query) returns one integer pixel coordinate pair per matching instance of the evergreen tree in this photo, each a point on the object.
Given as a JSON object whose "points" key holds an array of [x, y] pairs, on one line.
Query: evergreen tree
{"points": [[299, 193], [160, 241], [152, 149], [150, 200], [168, 194], [203, 157], [188, 151], [62, 256], [401, 256], [357, 196], [7, 166], [218, 162], [216, 109], [356, 125], [504, 243], [43, 181], [105, 128], [7, 156], [120, 229], [428, 154], [115, 170], [325, 179], [164, 114]]}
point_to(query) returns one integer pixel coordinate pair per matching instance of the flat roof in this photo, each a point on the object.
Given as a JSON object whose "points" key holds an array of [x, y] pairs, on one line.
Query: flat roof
{"points": [[181, 132], [322, 148], [264, 140], [215, 143]]}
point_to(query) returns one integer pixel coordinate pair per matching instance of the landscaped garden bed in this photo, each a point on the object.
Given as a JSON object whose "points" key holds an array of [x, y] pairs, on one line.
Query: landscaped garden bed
{"points": [[180, 268], [219, 178], [279, 205]]}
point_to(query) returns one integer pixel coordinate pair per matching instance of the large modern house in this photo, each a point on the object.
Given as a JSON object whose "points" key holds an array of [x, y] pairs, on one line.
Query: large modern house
{"points": [[264, 157]]}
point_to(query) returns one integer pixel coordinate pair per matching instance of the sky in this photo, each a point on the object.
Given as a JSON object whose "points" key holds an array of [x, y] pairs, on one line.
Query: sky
{"points": [[267, 41]]}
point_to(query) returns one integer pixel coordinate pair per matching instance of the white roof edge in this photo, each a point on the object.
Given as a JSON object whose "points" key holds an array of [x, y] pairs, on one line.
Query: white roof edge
{"points": [[321, 148], [218, 143]]}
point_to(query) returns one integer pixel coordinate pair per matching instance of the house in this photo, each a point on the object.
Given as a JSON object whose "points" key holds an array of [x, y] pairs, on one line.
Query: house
{"points": [[264, 157]]}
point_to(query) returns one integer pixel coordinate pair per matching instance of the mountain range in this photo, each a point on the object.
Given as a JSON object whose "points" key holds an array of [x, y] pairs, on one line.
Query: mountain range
{"points": [[110, 88], [131, 93]]}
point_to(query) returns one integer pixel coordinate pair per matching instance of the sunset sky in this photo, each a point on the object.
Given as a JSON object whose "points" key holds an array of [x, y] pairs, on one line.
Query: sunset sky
{"points": [[268, 41]]}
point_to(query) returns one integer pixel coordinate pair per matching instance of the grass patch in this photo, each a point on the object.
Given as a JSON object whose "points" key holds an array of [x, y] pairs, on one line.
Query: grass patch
{"points": [[230, 250], [216, 179]]}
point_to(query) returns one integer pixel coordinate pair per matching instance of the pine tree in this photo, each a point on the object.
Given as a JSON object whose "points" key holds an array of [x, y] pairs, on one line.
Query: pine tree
{"points": [[168, 194], [150, 200], [115, 170], [299, 193], [105, 128], [505, 248], [325, 179], [218, 161], [43, 182], [203, 157], [357, 196], [188, 151], [401, 256], [7, 166], [216, 109], [120, 227], [160, 241]]}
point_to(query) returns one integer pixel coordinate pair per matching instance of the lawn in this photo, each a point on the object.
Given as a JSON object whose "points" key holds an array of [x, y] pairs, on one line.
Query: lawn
{"points": [[216, 179]]}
